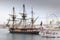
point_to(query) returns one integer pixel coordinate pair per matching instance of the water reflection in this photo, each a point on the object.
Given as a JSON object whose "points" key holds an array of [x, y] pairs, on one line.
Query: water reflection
{"points": [[21, 37], [5, 35]]}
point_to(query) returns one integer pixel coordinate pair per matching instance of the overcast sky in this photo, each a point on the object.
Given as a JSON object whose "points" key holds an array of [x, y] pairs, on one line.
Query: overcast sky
{"points": [[41, 8]]}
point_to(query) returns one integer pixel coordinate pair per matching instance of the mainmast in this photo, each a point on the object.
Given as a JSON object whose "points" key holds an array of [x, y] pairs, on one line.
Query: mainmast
{"points": [[24, 16], [23, 8], [13, 17]]}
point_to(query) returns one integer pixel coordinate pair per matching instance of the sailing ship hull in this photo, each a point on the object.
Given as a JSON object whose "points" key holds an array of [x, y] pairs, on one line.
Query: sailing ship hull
{"points": [[29, 31]]}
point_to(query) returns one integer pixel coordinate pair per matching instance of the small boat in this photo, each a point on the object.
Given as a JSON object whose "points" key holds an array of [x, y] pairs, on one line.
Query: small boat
{"points": [[50, 33], [24, 28]]}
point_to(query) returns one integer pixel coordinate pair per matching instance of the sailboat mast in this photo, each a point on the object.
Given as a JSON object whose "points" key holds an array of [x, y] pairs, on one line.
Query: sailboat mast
{"points": [[24, 12], [23, 8], [32, 17], [24, 16], [13, 16]]}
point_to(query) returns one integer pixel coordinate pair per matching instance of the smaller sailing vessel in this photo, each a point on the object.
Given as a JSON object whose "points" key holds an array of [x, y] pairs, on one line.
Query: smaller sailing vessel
{"points": [[24, 28]]}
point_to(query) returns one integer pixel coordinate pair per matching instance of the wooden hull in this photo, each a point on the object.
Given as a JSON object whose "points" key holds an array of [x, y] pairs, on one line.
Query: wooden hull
{"points": [[28, 31], [25, 32]]}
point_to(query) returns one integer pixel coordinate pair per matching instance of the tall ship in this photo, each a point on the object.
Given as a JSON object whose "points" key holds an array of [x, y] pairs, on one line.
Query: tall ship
{"points": [[22, 26]]}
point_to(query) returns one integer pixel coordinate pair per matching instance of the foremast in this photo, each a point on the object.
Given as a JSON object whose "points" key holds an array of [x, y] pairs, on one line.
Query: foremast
{"points": [[13, 17]]}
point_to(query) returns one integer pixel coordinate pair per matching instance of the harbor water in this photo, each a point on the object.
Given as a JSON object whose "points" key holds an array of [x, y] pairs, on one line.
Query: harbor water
{"points": [[5, 35]]}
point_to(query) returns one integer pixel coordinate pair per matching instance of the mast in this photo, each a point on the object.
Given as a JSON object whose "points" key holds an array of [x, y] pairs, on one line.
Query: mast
{"points": [[23, 20], [13, 17], [32, 20], [24, 16], [23, 8]]}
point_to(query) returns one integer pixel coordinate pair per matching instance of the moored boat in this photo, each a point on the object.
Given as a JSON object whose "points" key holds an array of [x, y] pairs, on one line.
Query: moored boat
{"points": [[25, 29], [51, 33]]}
